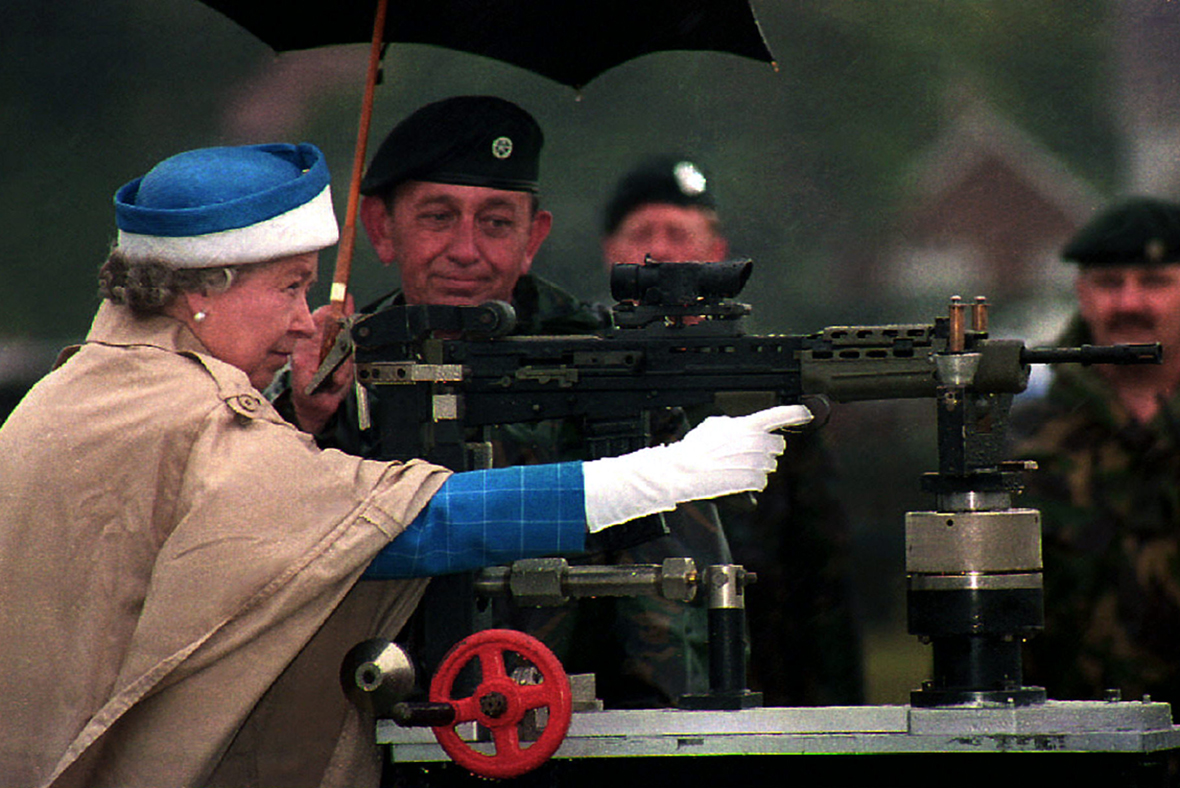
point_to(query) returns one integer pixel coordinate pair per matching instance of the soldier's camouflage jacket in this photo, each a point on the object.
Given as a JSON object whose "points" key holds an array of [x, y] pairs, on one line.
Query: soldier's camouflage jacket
{"points": [[1108, 488]]}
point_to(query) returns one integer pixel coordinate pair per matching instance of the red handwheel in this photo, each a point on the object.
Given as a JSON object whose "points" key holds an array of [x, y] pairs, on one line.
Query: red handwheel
{"points": [[499, 703]]}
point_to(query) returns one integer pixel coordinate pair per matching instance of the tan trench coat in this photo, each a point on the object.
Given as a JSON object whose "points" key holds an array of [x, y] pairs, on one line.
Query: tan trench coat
{"points": [[177, 570]]}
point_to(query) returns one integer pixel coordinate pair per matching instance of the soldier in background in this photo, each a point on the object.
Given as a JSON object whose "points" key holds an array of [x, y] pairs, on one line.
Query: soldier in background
{"points": [[1107, 443], [663, 208], [452, 201], [805, 648]]}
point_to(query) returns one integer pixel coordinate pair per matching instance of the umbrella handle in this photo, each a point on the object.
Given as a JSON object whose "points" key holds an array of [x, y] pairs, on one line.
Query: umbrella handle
{"points": [[344, 250]]}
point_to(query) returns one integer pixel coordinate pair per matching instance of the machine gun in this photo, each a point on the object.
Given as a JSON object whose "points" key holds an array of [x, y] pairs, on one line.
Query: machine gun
{"points": [[431, 376]]}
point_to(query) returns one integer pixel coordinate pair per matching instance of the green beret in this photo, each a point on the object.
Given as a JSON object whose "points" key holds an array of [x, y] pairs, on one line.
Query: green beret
{"points": [[672, 180], [465, 140], [1137, 231]]}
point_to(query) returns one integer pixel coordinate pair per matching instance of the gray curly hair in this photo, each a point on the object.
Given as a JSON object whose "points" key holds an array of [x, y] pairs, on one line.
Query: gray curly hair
{"points": [[149, 287]]}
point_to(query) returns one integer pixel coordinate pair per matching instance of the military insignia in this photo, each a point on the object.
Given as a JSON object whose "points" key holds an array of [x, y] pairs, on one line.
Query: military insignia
{"points": [[502, 147], [689, 179]]}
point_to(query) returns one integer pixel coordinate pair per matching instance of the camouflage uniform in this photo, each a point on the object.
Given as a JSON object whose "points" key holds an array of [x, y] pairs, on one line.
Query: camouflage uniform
{"points": [[1107, 489]]}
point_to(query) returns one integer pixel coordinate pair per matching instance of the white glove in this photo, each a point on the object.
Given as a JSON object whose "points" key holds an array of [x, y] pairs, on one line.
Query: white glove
{"points": [[722, 455]]}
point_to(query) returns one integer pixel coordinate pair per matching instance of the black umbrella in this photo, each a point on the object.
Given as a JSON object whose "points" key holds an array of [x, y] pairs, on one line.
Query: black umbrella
{"points": [[570, 41]]}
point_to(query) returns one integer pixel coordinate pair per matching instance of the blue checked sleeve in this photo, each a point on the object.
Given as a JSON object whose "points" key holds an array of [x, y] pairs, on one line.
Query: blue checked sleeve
{"points": [[487, 518]]}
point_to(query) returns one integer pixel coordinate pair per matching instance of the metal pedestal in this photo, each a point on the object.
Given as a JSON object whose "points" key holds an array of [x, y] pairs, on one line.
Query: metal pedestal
{"points": [[1086, 743]]}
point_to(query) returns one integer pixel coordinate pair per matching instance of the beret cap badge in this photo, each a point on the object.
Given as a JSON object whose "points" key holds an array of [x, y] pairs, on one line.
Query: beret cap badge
{"points": [[665, 179], [481, 141], [689, 178], [502, 147]]}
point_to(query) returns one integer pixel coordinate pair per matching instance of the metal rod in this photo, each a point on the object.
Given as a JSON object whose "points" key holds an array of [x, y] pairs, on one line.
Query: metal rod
{"points": [[339, 292]]}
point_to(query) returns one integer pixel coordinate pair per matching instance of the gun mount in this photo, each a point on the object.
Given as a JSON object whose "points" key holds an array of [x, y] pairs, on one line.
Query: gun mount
{"points": [[436, 380]]}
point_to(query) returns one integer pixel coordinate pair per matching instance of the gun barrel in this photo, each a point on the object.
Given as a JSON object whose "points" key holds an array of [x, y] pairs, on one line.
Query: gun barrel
{"points": [[1151, 353]]}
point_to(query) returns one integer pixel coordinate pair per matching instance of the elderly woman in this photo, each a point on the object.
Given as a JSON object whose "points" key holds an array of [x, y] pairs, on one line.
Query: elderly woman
{"points": [[179, 565]]}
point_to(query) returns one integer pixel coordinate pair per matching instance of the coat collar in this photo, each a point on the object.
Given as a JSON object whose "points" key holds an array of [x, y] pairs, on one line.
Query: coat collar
{"points": [[115, 324]]}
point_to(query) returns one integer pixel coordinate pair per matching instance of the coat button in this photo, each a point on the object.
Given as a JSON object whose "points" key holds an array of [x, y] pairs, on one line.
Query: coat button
{"points": [[248, 403]]}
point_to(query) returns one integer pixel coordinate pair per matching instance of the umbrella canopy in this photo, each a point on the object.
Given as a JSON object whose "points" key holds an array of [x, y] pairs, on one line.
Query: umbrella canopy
{"points": [[571, 41]]}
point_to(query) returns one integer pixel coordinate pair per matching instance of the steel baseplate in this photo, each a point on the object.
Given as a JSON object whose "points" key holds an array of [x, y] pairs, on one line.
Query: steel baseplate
{"points": [[1099, 742]]}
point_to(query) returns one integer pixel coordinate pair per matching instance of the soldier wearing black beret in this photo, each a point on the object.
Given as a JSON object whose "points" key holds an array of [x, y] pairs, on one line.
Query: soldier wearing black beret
{"points": [[805, 649], [665, 207], [451, 198], [1128, 290], [1107, 443]]}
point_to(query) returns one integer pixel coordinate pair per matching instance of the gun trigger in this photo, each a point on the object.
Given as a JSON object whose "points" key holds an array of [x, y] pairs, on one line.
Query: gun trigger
{"points": [[821, 413]]}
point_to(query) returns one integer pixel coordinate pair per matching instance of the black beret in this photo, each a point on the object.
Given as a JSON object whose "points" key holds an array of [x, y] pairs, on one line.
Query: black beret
{"points": [[1137, 231], [465, 140], [674, 180]]}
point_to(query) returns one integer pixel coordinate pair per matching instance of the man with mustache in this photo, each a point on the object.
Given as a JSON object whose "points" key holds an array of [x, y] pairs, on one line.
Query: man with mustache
{"points": [[1107, 443]]}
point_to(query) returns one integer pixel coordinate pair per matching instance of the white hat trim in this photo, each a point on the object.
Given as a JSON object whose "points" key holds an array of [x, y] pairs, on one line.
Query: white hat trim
{"points": [[307, 228]]}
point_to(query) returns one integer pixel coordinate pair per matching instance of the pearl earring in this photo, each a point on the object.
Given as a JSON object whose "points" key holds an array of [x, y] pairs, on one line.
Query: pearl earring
{"points": [[199, 316]]}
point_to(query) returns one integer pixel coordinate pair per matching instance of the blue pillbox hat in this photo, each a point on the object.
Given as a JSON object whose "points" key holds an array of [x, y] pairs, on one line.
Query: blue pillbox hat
{"points": [[227, 206]]}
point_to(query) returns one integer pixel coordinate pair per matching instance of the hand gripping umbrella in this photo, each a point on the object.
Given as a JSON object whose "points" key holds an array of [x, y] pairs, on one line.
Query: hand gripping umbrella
{"points": [[571, 42]]}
